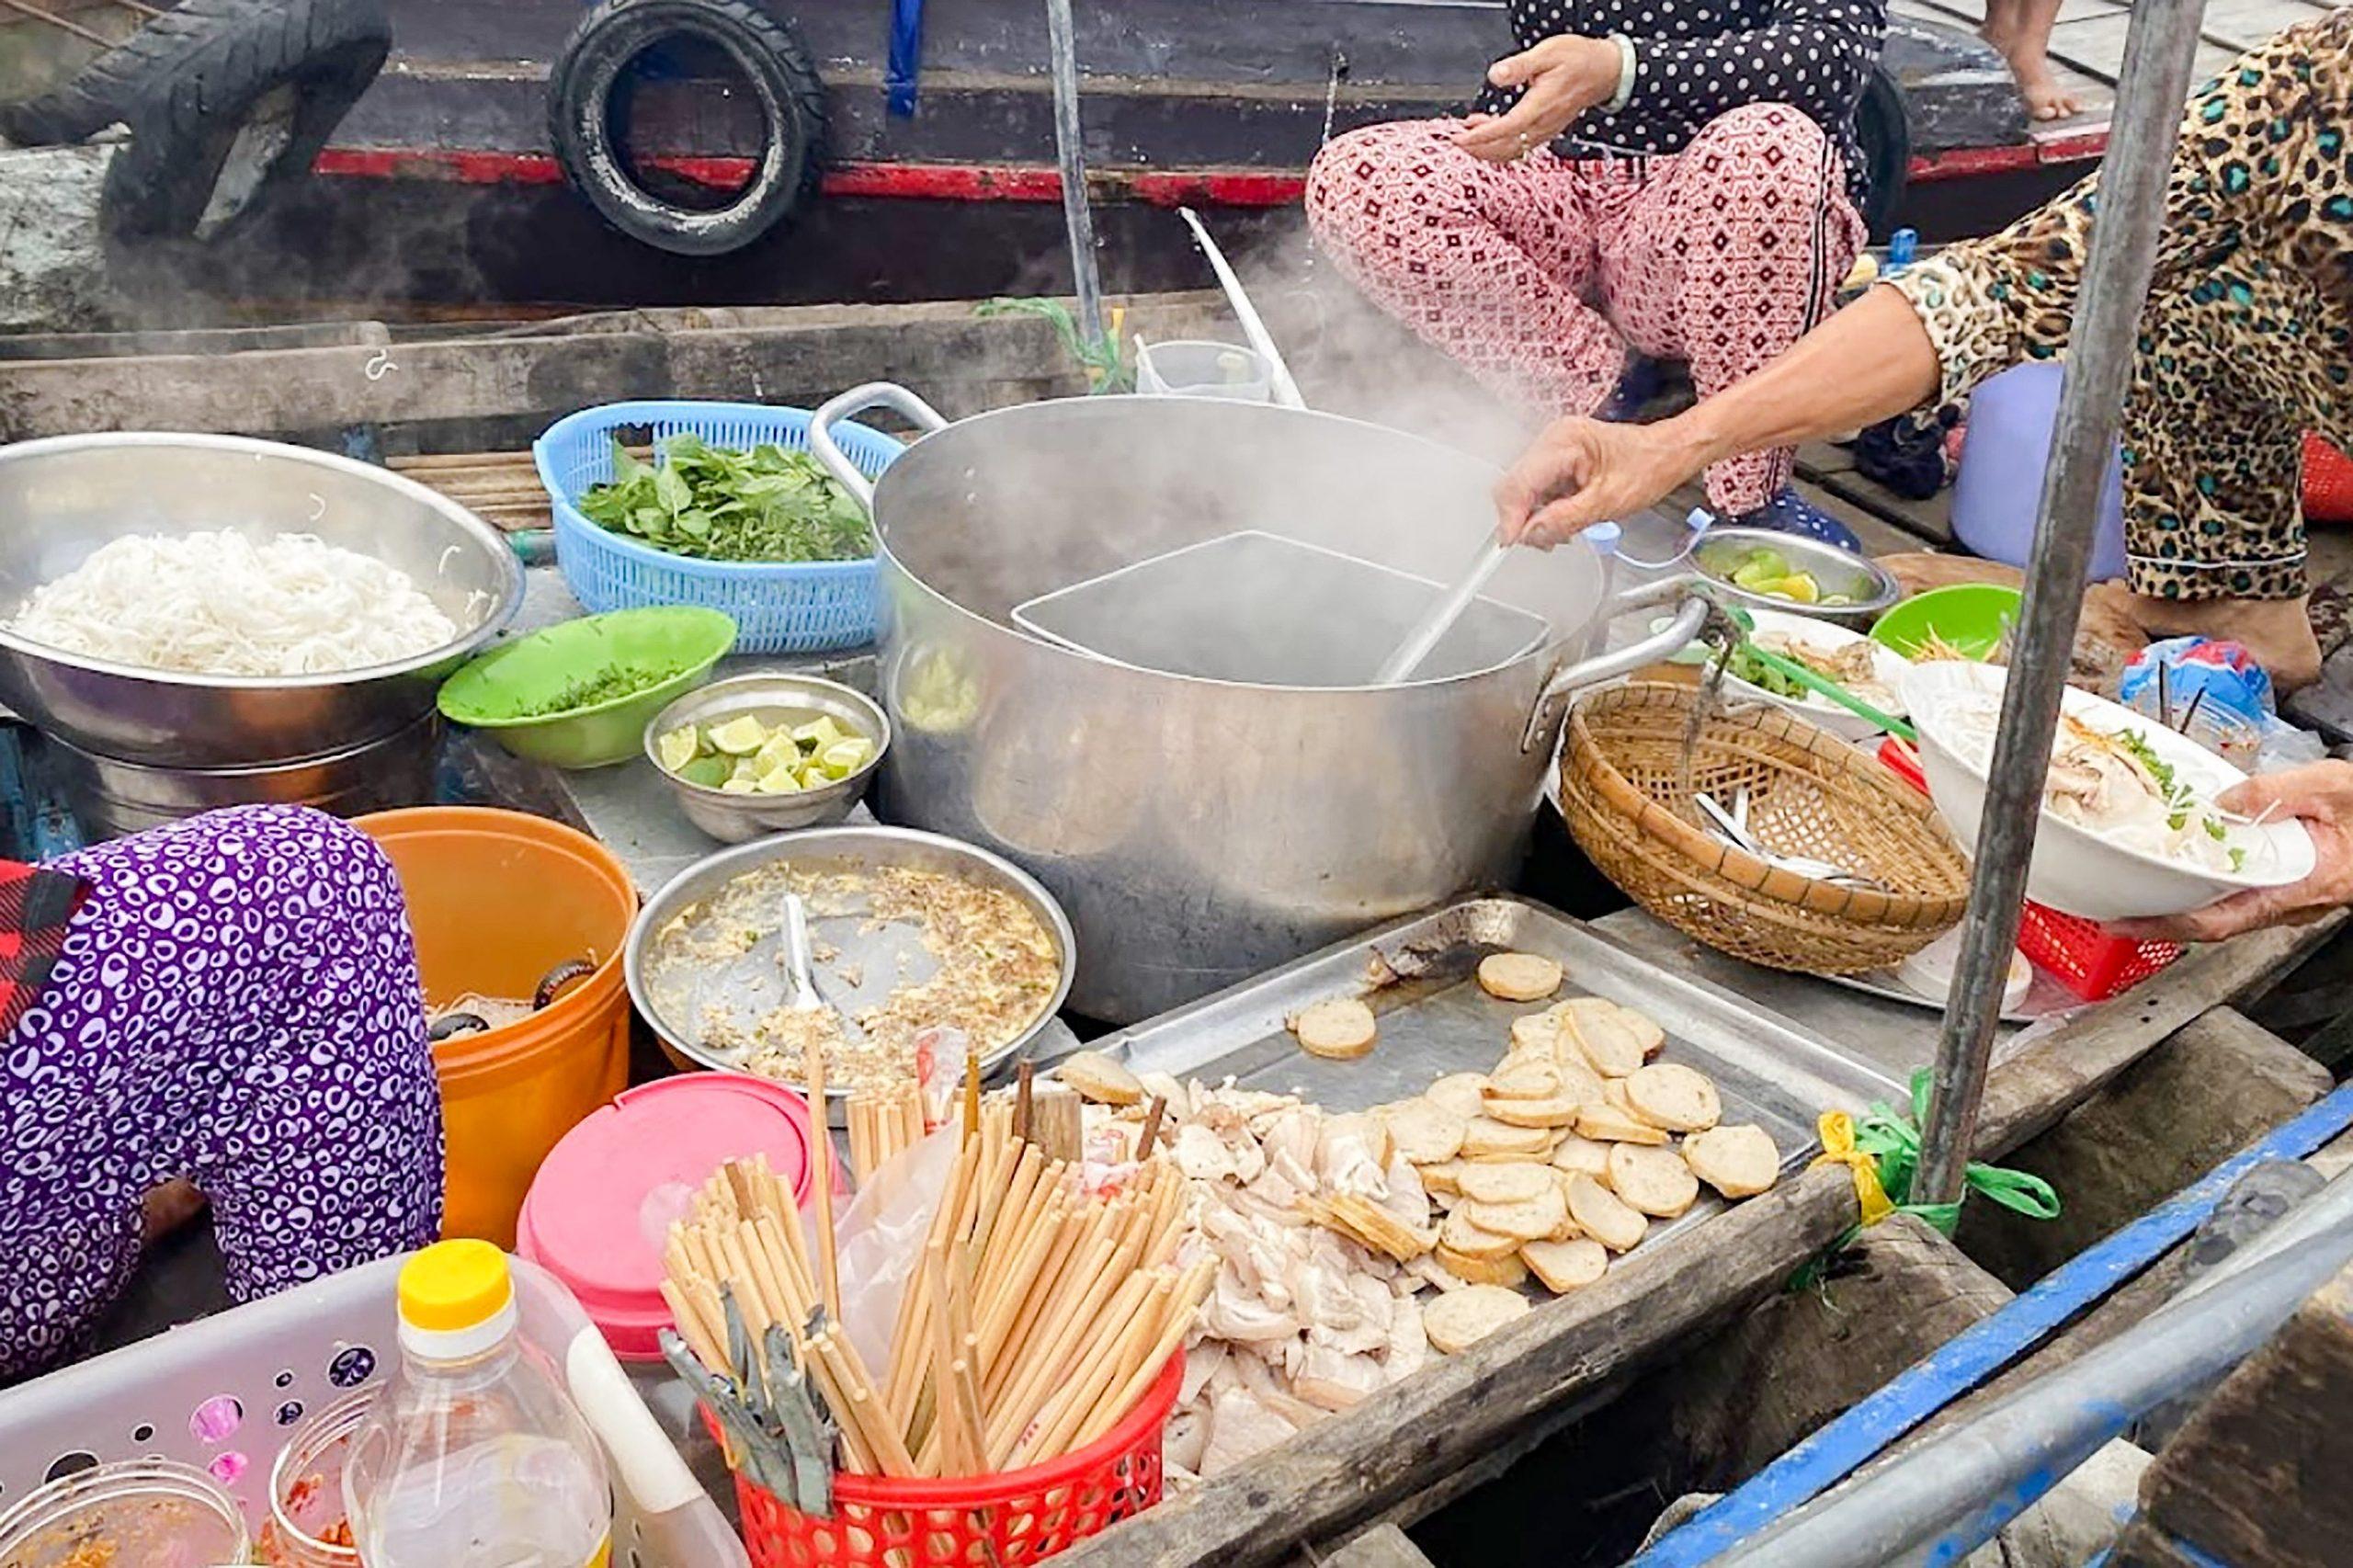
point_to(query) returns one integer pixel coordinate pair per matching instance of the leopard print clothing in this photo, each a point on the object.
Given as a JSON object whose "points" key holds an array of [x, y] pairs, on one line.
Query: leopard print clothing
{"points": [[2242, 344]]}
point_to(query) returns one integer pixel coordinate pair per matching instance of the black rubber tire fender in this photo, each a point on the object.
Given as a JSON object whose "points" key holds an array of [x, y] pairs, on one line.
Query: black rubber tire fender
{"points": [[304, 63], [1884, 129], [80, 107], [103, 91], [785, 86]]}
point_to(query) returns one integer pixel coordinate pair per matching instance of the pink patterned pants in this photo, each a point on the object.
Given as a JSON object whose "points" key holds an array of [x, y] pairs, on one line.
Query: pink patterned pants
{"points": [[1538, 276]]}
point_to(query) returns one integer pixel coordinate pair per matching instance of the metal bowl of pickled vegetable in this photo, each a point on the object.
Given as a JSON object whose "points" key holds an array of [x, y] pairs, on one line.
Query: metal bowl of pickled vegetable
{"points": [[762, 754], [1764, 569]]}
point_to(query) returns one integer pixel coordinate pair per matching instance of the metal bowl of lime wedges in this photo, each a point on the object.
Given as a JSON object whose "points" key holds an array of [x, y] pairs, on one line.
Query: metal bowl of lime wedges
{"points": [[762, 754]]}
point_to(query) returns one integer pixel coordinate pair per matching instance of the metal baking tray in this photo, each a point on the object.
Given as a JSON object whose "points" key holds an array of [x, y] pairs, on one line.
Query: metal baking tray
{"points": [[1417, 976], [1260, 608]]}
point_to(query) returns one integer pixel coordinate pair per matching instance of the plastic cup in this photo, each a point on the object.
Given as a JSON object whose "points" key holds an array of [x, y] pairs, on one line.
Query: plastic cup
{"points": [[306, 1489], [155, 1513]]}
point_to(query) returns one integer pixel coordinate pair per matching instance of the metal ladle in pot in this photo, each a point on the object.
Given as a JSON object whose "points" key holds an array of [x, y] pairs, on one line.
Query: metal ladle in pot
{"points": [[1426, 633]]}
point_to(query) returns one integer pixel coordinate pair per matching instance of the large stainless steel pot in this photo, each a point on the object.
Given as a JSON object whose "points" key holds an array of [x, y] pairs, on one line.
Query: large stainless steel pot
{"points": [[61, 499], [1198, 832]]}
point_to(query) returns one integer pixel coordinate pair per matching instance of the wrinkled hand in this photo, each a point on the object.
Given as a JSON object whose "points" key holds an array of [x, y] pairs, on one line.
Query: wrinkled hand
{"points": [[1563, 77], [2321, 795], [1582, 471]]}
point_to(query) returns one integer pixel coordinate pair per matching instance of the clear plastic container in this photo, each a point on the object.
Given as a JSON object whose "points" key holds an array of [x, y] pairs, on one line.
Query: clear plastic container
{"points": [[308, 1525], [150, 1513], [1202, 369], [472, 1452]]}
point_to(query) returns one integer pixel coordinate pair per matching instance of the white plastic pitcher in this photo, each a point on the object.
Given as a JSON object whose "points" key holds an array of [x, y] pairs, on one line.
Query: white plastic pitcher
{"points": [[1197, 368]]}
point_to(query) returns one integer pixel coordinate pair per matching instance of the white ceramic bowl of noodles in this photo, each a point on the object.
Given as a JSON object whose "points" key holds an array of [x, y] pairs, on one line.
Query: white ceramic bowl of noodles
{"points": [[1814, 707], [2077, 869]]}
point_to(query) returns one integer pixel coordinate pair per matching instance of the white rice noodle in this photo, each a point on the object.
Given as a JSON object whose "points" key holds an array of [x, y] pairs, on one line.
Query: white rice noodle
{"points": [[220, 604]]}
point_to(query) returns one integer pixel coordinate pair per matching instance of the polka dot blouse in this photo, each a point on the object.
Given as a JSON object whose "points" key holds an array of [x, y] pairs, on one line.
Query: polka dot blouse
{"points": [[1698, 57]]}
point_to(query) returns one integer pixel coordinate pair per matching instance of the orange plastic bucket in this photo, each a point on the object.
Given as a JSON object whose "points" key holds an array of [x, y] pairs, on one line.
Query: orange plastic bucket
{"points": [[496, 899]]}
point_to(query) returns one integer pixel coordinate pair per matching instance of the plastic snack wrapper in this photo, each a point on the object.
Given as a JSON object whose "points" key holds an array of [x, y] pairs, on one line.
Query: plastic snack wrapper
{"points": [[2216, 693], [680, 1521]]}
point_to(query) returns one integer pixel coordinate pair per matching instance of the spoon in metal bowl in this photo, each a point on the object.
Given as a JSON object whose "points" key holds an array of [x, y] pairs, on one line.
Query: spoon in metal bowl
{"points": [[796, 957]]}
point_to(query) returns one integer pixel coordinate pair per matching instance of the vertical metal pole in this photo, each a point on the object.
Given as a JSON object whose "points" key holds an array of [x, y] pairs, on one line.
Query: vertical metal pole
{"points": [[1071, 152], [2159, 46]]}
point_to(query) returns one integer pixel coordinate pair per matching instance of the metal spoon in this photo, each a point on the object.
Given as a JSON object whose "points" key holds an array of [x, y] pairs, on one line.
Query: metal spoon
{"points": [[1805, 865], [796, 957]]}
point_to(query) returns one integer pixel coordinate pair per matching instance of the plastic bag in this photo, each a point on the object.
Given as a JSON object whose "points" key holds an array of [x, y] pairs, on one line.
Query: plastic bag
{"points": [[2285, 746], [879, 1239], [2226, 672]]}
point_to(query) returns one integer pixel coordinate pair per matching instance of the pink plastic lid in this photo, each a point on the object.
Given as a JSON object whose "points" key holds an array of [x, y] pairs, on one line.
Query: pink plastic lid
{"points": [[602, 1204]]}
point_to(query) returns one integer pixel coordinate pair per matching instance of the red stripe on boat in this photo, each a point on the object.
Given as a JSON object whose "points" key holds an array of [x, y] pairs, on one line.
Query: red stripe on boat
{"points": [[1021, 182]]}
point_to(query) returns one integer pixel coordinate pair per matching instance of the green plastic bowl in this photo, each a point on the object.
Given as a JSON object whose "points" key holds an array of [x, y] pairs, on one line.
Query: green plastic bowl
{"points": [[505, 690], [1970, 617]]}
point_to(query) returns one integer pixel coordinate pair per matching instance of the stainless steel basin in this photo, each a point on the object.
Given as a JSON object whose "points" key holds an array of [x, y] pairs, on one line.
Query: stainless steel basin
{"points": [[61, 499]]}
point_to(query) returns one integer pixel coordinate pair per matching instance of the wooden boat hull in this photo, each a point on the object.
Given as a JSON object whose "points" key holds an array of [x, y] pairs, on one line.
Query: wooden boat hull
{"points": [[442, 185]]}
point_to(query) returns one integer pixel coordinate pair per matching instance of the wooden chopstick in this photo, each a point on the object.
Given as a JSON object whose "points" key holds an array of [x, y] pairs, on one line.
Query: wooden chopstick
{"points": [[1038, 1310]]}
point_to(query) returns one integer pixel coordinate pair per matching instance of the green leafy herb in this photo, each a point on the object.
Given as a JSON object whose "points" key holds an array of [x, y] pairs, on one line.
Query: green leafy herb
{"points": [[2238, 858], [612, 682], [718, 504], [2137, 744], [2215, 830]]}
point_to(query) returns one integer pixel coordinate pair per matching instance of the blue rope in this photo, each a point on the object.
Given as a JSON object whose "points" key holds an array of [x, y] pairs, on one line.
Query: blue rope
{"points": [[1961, 1363], [906, 56]]}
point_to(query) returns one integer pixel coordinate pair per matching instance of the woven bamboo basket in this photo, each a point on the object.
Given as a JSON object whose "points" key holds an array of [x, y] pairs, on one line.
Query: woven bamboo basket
{"points": [[1809, 793]]}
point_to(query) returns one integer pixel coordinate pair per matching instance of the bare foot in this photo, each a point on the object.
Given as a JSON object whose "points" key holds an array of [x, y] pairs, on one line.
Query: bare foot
{"points": [[2279, 632], [2047, 97]]}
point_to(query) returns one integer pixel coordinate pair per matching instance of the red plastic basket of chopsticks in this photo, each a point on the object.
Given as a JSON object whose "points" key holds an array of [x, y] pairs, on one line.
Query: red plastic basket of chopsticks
{"points": [[1020, 1516], [2080, 954]]}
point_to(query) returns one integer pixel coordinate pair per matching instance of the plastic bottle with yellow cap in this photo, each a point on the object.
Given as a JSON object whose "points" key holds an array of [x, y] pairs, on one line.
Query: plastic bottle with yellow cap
{"points": [[474, 1457]]}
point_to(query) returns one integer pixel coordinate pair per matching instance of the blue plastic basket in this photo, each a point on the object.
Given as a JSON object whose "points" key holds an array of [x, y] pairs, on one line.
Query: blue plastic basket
{"points": [[785, 607]]}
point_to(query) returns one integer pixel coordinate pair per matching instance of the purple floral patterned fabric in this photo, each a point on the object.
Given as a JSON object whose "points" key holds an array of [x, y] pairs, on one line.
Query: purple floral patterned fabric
{"points": [[237, 1003]]}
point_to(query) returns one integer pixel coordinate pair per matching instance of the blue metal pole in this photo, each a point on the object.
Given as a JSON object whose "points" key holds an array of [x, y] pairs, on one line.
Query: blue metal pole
{"points": [[1963, 1363]]}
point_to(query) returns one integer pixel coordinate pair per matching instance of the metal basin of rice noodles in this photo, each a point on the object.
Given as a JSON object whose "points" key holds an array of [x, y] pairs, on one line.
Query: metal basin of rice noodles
{"points": [[62, 499], [1199, 829]]}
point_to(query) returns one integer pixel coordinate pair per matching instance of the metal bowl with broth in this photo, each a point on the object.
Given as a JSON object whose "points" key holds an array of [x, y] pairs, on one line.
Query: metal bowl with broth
{"points": [[858, 961]]}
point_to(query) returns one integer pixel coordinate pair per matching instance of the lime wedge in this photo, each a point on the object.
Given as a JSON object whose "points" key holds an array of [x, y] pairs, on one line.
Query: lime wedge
{"points": [[777, 751], [678, 747], [744, 769], [779, 781], [710, 772], [739, 736], [818, 733], [844, 758], [1799, 587], [740, 786]]}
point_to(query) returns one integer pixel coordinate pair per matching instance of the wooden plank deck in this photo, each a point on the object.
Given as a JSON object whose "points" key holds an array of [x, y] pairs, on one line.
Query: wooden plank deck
{"points": [[2087, 43]]}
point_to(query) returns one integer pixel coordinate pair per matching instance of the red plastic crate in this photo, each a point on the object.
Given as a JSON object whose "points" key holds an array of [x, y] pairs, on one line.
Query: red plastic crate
{"points": [[2328, 482], [1008, 1521], [2080, 954]]}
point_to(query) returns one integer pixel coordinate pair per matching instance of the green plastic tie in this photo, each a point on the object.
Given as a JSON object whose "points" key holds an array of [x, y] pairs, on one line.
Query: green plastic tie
{"points": [[1894, 1142]]}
